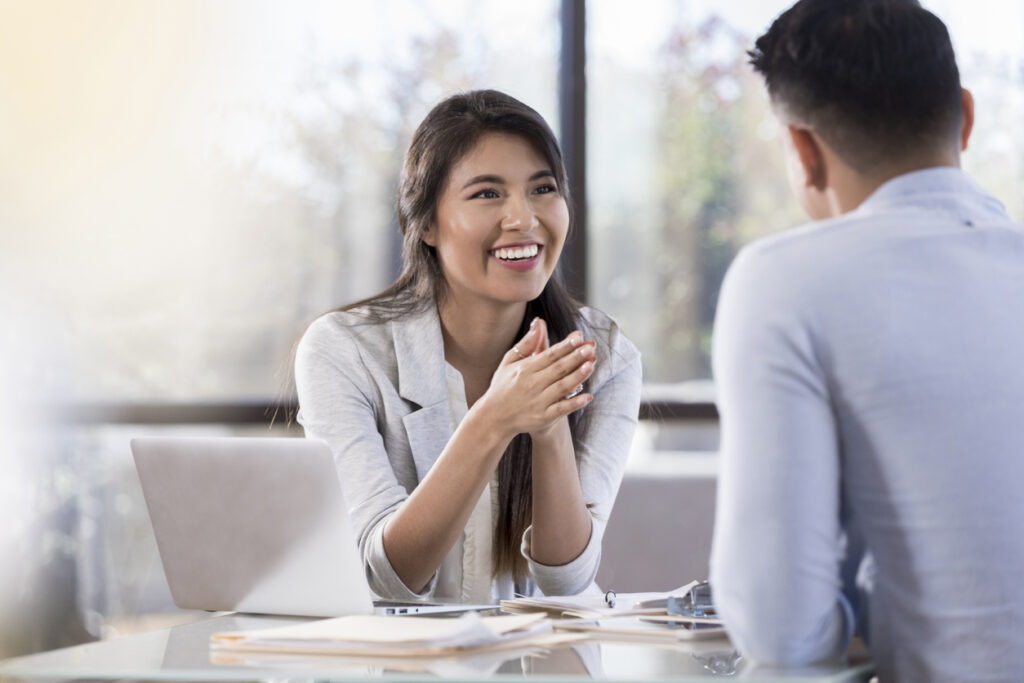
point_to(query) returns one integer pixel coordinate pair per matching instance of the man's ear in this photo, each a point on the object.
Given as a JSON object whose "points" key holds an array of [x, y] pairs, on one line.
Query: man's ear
{"points": [[967, 125], [430, 235], [808, 152]]}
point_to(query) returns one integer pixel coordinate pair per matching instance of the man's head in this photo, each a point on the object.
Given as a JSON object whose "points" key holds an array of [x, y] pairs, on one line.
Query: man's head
{"points": [[875, 80]]}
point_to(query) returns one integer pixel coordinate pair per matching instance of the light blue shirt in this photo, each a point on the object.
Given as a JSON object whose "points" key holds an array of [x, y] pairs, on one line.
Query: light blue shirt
{"points": [[870, 377]]}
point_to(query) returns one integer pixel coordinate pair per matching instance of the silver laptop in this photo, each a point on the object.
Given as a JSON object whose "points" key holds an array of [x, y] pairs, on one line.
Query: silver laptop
{"points": [[256, 525]]}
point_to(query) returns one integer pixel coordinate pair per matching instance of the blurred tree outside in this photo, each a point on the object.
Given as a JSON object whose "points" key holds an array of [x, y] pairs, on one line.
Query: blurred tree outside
{"points": [[353, 141], [721, 180], [698, 131]]}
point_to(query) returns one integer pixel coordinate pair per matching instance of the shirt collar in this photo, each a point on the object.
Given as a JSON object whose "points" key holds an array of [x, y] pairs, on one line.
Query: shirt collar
{"points": [[944, 189]]}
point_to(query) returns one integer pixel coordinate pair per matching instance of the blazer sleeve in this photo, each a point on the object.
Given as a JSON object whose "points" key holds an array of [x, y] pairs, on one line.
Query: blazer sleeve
{"points": [[603, 438], [338, 403]]}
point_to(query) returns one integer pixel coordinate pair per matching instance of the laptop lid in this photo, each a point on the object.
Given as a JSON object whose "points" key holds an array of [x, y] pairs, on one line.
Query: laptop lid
{"points": [[252, 525]]}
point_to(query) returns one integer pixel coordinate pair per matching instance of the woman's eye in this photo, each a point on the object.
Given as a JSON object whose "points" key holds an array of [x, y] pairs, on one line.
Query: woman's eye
{"points": [[545, 189], [486, 194]]}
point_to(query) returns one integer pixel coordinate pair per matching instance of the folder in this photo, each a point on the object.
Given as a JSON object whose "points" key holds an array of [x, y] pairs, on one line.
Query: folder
{"points": [[382, 636]]}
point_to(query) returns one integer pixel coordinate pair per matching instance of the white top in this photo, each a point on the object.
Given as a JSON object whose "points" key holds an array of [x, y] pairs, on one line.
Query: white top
{"points": [[465, 573], [870, 377]]}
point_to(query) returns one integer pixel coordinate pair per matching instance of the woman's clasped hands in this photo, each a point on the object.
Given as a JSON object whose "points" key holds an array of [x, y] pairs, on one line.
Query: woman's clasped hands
{"points": [[533, 387]]}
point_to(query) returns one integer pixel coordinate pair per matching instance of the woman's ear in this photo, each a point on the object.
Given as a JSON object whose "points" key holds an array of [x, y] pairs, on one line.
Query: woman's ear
{"points": [[430, 235]]}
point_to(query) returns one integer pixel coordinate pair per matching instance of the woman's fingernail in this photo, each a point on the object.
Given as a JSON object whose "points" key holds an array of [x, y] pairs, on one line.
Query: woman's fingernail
{"points": [[575, 338], [533, 323]]}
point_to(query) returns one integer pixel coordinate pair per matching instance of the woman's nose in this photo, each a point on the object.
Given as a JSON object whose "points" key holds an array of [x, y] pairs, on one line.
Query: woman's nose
{"points": [[519, 214]]}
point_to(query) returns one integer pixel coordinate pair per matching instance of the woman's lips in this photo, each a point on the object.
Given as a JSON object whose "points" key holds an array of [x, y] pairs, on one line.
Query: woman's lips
{"points": [[520, 265]]}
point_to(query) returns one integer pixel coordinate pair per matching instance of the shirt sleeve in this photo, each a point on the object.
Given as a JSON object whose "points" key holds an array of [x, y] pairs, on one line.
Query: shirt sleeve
{"points": [[336, 405], [602, 441], [777, 546]]}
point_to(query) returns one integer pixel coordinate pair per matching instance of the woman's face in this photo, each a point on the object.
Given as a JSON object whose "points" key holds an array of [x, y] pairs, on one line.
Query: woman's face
{"points": [[501, 222]]}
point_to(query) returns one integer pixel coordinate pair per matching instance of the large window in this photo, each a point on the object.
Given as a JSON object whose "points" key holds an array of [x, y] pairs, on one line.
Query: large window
{"points": [[185, 185], [684, 163]]}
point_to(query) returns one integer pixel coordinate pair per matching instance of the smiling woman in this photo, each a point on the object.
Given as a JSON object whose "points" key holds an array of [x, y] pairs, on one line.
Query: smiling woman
{"points": [[474, 461]]}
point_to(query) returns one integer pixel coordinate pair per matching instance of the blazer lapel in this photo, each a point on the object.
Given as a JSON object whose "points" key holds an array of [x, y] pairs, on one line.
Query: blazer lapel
{"points": [[422, 379]]}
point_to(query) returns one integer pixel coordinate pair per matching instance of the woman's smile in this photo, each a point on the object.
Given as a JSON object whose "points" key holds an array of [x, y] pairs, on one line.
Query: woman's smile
{"points": [[519, 257]]}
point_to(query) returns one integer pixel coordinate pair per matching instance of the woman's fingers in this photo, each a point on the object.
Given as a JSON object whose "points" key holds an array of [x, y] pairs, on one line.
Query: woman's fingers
{"points": [[528, 344], [559, 365], [543, 343], [570, 382], [537, 382], [568, 405], [559, 351], [566, 361]]}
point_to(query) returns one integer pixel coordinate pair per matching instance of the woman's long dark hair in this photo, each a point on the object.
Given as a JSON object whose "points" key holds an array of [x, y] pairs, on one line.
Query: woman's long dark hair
{"points": [[444, 137]]}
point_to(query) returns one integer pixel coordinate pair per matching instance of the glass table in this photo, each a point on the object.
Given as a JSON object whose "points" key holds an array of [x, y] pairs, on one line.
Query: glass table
{"points": [[183, 653]]}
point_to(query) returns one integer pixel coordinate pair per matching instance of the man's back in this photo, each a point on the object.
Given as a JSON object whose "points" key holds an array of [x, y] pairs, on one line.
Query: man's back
{"points": [[888, 349]]}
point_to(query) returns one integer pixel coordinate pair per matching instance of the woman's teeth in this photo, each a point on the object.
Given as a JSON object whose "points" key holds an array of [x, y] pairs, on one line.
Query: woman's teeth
{"points": [[516, 253]]}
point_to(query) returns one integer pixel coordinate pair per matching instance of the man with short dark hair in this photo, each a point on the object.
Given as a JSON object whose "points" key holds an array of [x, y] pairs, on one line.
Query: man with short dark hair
{"points": [[870, 369]]}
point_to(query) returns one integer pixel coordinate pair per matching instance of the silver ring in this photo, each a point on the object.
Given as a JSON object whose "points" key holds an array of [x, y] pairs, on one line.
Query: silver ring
{"points": [[575, 392]]}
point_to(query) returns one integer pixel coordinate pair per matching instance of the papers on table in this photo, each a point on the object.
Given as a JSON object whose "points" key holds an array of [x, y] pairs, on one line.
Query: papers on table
{"points": [[656, 618], [588, 606], [640, 630], [373, 636], [649, 617]]}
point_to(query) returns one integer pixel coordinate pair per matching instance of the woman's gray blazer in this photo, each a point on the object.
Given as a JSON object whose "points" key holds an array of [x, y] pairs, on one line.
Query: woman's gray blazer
{"points": [[377, 394]]}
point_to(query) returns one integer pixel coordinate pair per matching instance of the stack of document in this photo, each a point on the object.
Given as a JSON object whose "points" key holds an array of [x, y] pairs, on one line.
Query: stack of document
{"points": [[683, 614], [381, 636], [562, 606], [595, 606], [638, 629]]}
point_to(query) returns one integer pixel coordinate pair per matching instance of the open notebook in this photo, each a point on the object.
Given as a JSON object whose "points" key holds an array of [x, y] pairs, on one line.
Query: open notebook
{"points": [[256, 525]]}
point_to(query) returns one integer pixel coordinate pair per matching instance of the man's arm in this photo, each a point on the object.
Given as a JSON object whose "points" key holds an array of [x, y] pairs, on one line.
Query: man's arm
{"points": [[776, 551]]}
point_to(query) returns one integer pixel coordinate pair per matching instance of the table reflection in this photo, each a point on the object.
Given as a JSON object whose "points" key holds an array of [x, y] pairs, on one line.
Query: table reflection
{"points": [[183, 653]]}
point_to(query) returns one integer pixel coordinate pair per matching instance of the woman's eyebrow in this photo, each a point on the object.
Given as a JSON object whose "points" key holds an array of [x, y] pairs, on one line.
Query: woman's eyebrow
{"points": [[498, 180]]}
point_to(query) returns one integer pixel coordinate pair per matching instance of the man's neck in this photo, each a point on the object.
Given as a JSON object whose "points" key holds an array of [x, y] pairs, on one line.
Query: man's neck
{"points": [[849, 188]]}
